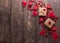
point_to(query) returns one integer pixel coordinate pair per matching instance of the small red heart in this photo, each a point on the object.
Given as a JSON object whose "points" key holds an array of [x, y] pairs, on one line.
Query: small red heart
{"points": [[51, 14], [54, 28], [42, 33], [24, 4], [49, 6], [35, 13], [41, 19], [55, 36], [30, 4], [35, 7]]}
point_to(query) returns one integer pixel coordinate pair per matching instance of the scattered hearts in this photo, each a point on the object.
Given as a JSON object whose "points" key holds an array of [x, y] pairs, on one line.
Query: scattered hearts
{"points": [[47, 18]]}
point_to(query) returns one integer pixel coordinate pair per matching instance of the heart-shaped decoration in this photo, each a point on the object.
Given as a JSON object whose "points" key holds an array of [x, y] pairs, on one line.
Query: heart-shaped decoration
{"points": [[35, 7], [35, 13], [55, 36], [30, 4], [24, 4]]}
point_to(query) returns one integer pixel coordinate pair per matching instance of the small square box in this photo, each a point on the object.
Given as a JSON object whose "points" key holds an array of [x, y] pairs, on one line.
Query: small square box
{"points": [[49, 22], [42, 11]]}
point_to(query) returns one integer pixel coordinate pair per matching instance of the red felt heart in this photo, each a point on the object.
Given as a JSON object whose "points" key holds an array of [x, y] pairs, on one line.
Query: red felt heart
{"points": [[30, 4], [35, 13], [35, 7], [54, 28], [41, 19], [51, 14], [42, 33], [23, 4], [55, 36], [49, 6]]}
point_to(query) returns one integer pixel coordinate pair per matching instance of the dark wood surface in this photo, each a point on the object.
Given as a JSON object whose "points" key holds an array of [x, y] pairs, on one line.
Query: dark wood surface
{"points": [[14, 24]]}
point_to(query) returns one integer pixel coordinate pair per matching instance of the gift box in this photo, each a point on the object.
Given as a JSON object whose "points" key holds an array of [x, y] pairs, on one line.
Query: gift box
{"points": [[42, 11], [49, 23]]}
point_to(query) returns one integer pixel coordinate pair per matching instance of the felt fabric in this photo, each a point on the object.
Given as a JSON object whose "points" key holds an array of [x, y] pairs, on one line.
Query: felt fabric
{"points": [[42, 33], [30, 4], [49, 6], [24, 4], [55, 36], [41, 19], [51, 14], [35, 7], [54, 28], [35, 13]]}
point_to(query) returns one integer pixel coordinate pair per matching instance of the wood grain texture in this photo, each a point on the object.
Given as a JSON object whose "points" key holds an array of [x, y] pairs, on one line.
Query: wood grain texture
{"points": [[19, 27]]}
